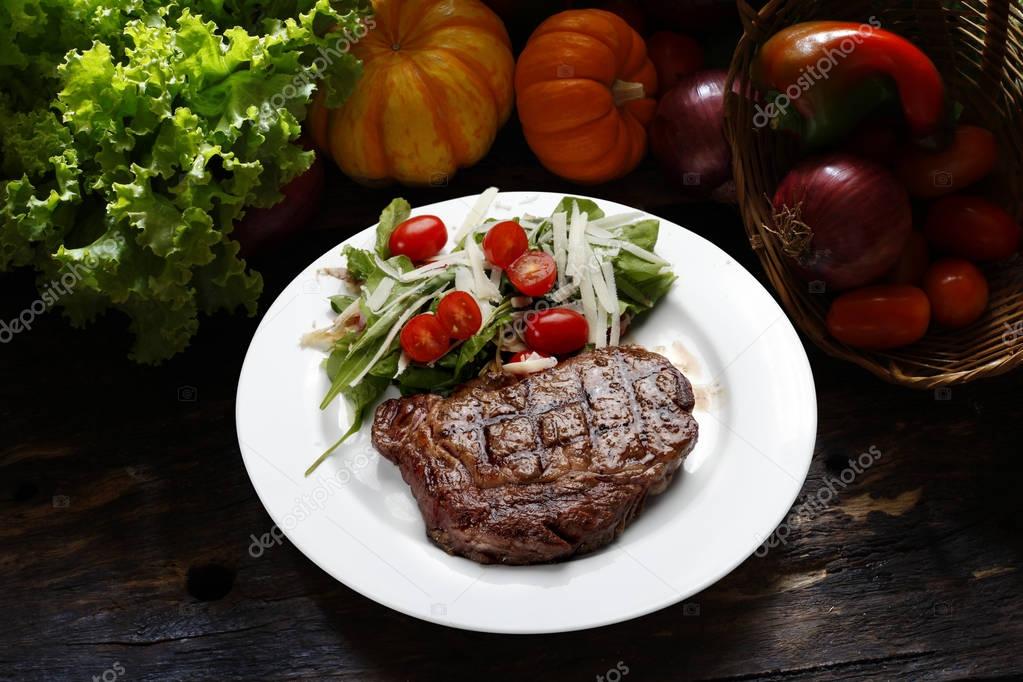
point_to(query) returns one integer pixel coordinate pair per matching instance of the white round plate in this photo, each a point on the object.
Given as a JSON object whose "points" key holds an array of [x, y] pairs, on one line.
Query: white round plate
{"points": [[356, 518]]}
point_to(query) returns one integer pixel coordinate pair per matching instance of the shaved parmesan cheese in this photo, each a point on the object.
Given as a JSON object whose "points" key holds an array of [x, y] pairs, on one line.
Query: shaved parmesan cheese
{"points": [[387, 268], [386, 345], [520, 301], [616, 313], [590, 307], [482, 288], [535, 363], [403, 363], [599, 232], [325, 337], [495, 276], [576, 243], [619, 220], [476, 214], [637, 251], [600, 287], [559, 228], [463, 279], [380, 294], [564, 293]]}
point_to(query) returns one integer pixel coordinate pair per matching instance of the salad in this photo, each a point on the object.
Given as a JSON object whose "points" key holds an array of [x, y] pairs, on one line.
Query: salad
{"points": [[509, 294]]}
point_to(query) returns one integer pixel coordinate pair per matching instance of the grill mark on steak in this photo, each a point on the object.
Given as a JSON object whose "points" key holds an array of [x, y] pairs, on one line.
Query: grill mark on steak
{"points": [[542, 467]]}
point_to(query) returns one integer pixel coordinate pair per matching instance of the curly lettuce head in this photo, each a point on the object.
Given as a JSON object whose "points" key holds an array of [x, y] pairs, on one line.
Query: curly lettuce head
{"points": [[166, 121]]}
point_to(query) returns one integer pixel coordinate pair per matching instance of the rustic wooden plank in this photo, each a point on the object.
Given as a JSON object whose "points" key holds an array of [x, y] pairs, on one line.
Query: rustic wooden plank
{"points": [[128, 519]]}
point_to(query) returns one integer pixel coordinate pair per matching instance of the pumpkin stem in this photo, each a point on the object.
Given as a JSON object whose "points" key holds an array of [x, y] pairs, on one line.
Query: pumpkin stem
{"points": [[624, 91]]}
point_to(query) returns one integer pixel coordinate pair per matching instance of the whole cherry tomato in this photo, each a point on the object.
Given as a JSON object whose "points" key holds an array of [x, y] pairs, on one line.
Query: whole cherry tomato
{"points": [[880, 317], [556, 331], [423, 338], [459, 314], [957, 290], [418, 238], [533, 273], [970, 157], [912, 263], [675, 56], [504, 242], [972, 228]]}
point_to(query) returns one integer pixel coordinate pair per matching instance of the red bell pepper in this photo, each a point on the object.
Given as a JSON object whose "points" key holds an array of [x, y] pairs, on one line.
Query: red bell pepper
{"points": [[828, 75]]}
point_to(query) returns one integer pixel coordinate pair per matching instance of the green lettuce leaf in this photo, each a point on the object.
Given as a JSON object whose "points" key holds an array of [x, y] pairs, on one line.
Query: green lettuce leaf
{"points": [[137, 131], [396, 212]]}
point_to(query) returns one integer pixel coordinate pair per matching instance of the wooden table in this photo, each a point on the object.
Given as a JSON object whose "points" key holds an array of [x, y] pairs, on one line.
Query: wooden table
{"points": [[128, 517]]}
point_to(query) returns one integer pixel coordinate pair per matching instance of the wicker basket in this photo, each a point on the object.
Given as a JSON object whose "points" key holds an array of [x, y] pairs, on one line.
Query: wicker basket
{"points": [[978, 48]]}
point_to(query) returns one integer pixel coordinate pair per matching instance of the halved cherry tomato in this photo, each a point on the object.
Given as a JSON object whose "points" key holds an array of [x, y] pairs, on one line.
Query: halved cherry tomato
{"points": [[533, 273], [970, 157], [418, 238], [423, 338], [556, 331], [972, 228], [958, 292], [912, 263], [880, 317], [459, 314], [504, 242], [675, 56], [525, 354]]}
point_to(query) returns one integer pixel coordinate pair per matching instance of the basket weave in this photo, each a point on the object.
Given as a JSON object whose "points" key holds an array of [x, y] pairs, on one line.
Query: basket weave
{"points": [[978, 48]]}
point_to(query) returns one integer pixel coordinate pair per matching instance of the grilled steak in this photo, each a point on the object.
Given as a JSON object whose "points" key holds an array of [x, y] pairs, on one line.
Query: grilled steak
{"points": [[541, 468]]}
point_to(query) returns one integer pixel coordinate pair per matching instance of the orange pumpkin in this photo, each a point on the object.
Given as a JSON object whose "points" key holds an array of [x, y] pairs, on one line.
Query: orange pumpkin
{"points": [[583, 86], [436, 86]]}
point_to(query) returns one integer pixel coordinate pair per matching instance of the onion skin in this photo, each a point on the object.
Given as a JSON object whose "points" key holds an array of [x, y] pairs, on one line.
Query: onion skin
{"points": [[843, 220], [687, 134]]}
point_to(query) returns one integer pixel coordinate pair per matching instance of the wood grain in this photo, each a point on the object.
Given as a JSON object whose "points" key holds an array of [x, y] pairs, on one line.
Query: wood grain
{"points": [[127, 519]]}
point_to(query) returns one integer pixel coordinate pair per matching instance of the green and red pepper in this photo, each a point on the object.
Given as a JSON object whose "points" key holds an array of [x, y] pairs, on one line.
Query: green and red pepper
{"points": [[828, 75]]}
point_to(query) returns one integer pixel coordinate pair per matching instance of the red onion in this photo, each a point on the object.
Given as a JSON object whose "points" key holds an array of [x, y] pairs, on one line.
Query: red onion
{"points": [[263, 227], [842, 219], [692, 15], [687, 135]]}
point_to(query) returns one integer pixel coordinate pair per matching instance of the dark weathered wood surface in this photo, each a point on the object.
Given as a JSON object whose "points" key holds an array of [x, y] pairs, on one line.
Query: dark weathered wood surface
{"points": [[127, 517]]}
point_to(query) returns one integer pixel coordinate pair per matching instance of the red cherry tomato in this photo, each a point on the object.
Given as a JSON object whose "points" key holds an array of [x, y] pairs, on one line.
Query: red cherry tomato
{"points": [[913, 262], [459, 314], [970, 156], [419, 238], [423, 338], [958, 292], [675, 56], [972, 228], [556, 331], [533, 273], [524, 355], [504, 242], [880, 317]]}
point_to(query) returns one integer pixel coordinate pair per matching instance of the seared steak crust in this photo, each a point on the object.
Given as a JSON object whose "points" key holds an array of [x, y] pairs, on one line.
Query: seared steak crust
{"points": [[544, 467]]}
